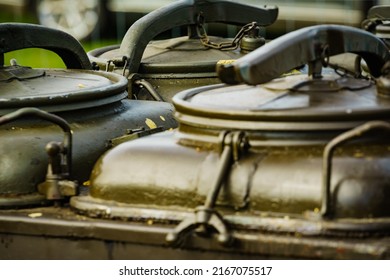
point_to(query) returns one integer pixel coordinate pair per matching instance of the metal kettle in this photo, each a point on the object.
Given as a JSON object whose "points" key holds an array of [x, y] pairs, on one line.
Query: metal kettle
{"points": [[90, 107], [300, 157]]}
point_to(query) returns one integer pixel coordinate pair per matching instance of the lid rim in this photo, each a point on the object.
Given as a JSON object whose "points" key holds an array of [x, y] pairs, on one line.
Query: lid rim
{"points": [[294, 119], [73, 99]]}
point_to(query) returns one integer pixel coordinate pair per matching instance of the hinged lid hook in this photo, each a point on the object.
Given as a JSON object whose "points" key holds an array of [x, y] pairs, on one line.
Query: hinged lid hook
{"points": [[205, 216], [56, 185]]}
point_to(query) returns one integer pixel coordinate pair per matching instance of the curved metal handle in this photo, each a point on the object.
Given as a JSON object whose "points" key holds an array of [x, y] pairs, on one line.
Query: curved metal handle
{"points": [[326, 206], [29, 111], [307, 45], [16, 36], [186, 12]]}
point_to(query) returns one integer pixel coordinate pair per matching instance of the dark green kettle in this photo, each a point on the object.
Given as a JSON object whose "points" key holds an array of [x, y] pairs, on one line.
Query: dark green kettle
{"points": [[90, 107]]}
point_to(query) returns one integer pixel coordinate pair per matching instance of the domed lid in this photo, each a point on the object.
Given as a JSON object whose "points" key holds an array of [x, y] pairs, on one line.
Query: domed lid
{"points": [[197, 52], [53, 89], [57, 90], [297, 102]]}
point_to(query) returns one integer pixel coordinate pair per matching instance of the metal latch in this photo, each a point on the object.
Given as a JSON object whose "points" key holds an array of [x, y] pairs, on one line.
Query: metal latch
{"points": [[205, 217], [56, 186]]}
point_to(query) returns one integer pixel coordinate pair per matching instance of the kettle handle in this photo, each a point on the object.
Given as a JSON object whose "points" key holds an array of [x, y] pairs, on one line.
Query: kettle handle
{"points": [[311, 45], [186, 12], [16, 36]]}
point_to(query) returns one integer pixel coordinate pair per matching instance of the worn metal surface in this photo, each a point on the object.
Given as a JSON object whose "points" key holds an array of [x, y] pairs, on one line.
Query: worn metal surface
{"points": [[311, 45], [24, 160], [186, 13], [275, 186], [61, 90], [57, 233], [235, 171], [94, 104], [284, 179], [180, 63], [296, 103]]}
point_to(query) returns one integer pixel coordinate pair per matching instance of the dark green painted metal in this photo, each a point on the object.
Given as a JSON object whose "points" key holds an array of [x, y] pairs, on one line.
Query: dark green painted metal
{"points": [[94, 104], [311, 45], [269, 196], [327, 204], [22, 145], [34, 112], [61, 90], [296, 103], [275, 187], [186, 13], [173, 65], [60, 234], [283, 179]]}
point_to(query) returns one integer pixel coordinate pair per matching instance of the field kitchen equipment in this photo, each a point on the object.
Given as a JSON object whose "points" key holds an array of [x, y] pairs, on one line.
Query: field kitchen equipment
{"points": [[275, 167], [159, 69], [90, 107]]}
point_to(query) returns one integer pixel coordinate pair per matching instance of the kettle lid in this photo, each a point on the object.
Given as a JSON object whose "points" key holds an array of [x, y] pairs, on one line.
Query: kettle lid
{"points": [[53, 90], [56, 90], [264, 99]]}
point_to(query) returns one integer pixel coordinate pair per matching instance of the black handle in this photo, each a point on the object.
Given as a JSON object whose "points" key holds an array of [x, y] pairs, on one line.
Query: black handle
{"points": [[307, 45], [16, 36], [186, 12]]}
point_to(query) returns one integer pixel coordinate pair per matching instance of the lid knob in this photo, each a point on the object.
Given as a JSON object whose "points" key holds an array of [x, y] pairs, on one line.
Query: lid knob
{"points": [[252, 41]]}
